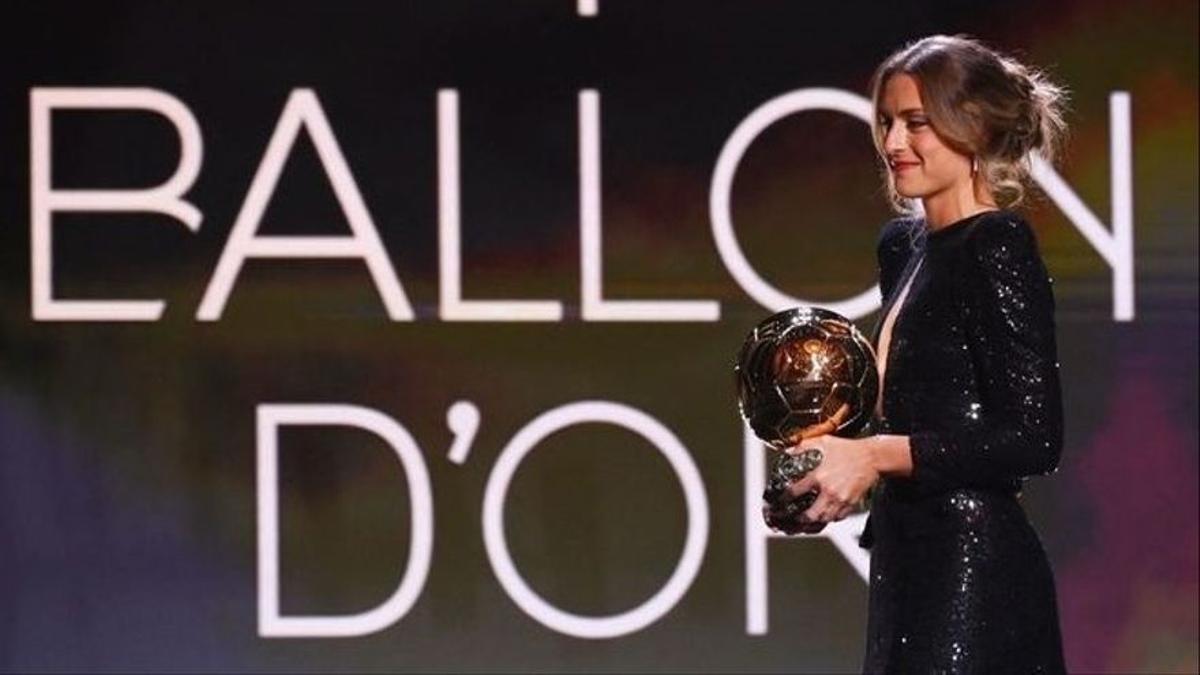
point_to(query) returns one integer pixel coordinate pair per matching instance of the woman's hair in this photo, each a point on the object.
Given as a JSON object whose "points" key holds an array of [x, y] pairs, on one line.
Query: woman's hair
{"points": [[982, 104]]}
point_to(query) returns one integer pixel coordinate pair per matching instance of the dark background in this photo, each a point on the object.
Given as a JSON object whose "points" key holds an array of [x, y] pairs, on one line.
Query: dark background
{"points": [[127, 495]]}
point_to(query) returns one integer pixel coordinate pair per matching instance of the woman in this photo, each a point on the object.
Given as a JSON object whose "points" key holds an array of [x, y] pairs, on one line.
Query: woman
{"points": [[969, 402]]}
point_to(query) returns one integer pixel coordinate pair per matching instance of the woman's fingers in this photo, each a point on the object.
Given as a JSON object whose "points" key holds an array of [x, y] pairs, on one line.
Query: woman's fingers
{"points": [[791, 524], [782, 521], [806, 484], [819, 510], [828, 509]]}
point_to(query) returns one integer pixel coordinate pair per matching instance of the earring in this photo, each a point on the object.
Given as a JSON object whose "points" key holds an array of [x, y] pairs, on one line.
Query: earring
{"points": [[974, 165]]}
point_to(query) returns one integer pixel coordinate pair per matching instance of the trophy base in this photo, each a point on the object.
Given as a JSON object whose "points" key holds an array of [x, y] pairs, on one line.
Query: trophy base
{"points": [[781, 510]]}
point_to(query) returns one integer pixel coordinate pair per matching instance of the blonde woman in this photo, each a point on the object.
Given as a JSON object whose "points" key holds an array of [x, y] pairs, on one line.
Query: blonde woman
{"points": [[970, 402]]}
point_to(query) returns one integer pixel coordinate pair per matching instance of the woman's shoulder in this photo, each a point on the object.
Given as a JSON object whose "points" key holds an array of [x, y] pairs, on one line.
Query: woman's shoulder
{"points": [[1002, 248], [1001, 233], [1002, 220]]}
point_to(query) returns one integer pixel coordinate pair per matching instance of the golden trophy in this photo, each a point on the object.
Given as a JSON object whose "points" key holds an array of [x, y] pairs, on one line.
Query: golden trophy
{"points": [[802, 373]]}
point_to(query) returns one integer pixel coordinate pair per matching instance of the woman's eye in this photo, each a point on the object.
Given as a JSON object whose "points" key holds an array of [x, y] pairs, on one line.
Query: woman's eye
{"points": [[913, 124]]}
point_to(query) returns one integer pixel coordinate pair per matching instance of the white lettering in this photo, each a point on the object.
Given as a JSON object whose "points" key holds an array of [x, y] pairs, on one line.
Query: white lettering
{"points": [[271, 623], [594, 306], [722, 188], [843, 534], [166, 198], [1114, 244], [303, 110], [452, 307], [497, 546]]}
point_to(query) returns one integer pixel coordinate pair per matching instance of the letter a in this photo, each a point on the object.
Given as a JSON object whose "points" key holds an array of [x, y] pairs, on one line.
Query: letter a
{"points": [[304, 110]]}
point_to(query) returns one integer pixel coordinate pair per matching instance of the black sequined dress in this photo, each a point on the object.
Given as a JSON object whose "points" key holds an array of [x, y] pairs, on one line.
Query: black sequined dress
{"points": [[959, 579]]}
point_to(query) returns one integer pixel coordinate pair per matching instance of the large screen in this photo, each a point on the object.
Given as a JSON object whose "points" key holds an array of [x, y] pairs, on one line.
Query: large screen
{"points": [[399, 336]]}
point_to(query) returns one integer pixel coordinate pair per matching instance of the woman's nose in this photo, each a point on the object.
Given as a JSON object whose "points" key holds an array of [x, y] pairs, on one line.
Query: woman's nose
{"points": [[894, 139]]}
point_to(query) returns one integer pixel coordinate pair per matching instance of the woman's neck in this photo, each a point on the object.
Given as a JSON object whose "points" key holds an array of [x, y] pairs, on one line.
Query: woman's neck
{"points": [[952, 205]]}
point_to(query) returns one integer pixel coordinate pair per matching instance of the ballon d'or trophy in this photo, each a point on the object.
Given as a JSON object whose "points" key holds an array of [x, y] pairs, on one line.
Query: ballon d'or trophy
{"points": [[802, 373]]}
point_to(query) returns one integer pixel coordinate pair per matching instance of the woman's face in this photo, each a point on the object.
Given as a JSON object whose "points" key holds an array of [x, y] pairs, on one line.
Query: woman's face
{"points": [[922, 165]]}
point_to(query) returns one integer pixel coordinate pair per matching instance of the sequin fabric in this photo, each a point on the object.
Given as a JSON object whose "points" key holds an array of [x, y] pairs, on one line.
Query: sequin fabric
{"points": [[959, 581]]}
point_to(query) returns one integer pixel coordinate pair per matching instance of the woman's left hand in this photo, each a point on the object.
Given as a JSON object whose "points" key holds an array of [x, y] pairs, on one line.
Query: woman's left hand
{"points": [[845, 474]]}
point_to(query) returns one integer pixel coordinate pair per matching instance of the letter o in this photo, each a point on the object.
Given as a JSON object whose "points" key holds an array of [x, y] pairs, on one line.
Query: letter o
{"points": [[722, 186], [497, 547]]}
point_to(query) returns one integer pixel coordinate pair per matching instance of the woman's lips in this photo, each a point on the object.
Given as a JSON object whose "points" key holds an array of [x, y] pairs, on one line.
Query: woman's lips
{"points": [[899, 167]]}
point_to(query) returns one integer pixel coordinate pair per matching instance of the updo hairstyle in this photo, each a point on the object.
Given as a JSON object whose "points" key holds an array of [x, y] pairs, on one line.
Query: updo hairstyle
{"points": [[982, 104]]}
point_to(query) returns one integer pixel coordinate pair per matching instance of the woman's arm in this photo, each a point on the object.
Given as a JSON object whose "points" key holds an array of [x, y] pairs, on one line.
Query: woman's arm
{"points": [[850, 466], [1012, 342], [890, 455]]}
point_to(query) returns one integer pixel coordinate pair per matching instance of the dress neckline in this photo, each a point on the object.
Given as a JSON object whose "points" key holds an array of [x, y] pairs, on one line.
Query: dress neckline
{"points": [[943, 230]]}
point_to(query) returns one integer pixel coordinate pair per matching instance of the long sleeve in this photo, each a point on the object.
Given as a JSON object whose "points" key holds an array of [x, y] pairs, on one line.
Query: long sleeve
{"points": [[1010, 317]]}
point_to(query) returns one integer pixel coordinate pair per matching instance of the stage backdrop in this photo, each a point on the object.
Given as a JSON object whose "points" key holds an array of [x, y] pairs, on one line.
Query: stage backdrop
{"points": [[398, 335]]}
